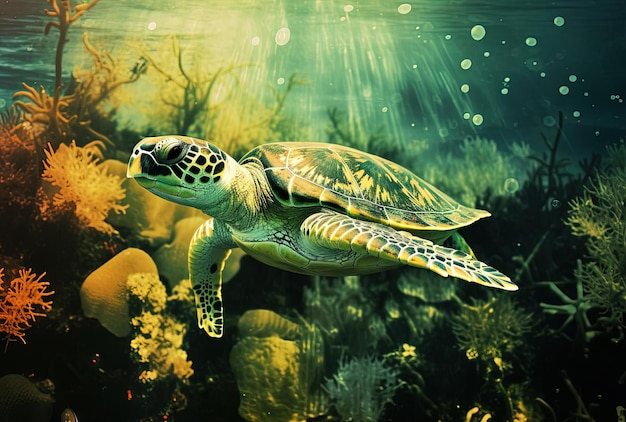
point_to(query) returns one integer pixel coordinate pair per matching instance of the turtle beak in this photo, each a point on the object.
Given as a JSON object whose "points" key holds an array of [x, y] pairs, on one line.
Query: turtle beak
{"points": [[134, 167]]}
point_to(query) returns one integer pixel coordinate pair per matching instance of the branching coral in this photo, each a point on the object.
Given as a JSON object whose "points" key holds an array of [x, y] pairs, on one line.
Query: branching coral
{"points": [[84, 184], [600, 216], [22, 303]]}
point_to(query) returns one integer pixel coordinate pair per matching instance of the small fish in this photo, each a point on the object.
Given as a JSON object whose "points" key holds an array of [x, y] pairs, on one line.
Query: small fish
{"points": [[68, 415]]}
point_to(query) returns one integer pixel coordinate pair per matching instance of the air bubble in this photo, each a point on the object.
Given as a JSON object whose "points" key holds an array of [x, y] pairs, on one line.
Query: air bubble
{"points": [[531, 41], [404, 9], [477, 119], [478, 32], [549, 121], [511, 185], [282, 36]]}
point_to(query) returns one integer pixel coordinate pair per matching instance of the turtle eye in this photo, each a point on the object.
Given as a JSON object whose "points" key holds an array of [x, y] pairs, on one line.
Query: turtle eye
{"points": [[173, 153]]}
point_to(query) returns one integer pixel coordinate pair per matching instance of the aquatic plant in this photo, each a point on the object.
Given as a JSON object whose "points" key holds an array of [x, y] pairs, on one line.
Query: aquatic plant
{"points": [[210, 100], [490, 330], [22, 303], [342, 308], [493, 332], [50, 111], [477, 168], [361, 388], [599, 215], [83, 184]]}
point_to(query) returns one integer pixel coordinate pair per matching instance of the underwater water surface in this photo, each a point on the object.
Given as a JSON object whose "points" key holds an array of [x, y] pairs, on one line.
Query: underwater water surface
{"points": [[516, 108]]}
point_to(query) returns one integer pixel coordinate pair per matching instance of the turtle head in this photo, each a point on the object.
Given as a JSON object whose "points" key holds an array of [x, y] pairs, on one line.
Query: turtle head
{"points": [[183, 170]]}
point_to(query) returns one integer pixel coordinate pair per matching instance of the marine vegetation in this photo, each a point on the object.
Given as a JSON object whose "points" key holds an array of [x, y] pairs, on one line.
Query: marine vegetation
{"points": [[361, 388], [599, 216], [494, 332], [207, 99], [478, 168], [69, 114], [43, 109], [22, 302], [83, 184]]}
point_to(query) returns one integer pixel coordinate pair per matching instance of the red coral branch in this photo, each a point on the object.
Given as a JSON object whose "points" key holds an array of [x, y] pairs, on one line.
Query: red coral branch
{"points": [[22, 303]]}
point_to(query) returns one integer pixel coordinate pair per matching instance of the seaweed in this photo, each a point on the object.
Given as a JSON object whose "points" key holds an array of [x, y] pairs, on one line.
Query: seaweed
{"points": [[599, 216], [68, 115]]}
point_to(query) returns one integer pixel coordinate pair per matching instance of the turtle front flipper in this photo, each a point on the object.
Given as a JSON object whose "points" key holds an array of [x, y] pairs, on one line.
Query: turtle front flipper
{"points": [[208, 251], [338, 231]]}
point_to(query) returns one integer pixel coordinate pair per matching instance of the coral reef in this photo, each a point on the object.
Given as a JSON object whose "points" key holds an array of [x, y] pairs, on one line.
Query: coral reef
{"points": [[21, 400], [278, 366], [599, 216], [361, 388], [22, 302], [83, 184], [104, 294], [158, 336]]}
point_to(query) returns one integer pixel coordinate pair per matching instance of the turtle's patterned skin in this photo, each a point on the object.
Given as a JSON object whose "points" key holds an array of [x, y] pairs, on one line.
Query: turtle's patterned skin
{"points": [[310, 208]]}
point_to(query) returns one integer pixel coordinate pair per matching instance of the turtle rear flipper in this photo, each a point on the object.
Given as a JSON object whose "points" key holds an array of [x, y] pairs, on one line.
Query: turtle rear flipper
{"points": [[338, 231]]}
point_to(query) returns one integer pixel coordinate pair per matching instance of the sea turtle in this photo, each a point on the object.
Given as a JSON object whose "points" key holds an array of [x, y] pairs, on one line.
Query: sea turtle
{"points": [[305, 207]]}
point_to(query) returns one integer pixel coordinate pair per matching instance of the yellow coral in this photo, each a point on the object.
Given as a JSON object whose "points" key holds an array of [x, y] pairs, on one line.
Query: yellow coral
{"points": [[83, 183], [159, 336], [22, 303]]}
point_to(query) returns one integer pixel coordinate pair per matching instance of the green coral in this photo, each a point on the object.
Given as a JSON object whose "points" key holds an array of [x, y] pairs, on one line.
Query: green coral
{"points": [[600, 216], [361, 388], [83, 184]]}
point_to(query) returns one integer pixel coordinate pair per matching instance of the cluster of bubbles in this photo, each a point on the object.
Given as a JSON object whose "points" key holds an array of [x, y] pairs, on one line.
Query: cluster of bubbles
{"points": [[478, 33]]}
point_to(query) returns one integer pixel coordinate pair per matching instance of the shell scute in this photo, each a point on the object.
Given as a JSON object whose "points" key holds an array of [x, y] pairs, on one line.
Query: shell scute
{"points": [[359, 184]]}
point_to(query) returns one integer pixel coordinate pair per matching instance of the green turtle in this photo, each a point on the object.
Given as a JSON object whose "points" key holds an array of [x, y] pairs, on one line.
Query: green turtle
{"points": [[305, 207]]}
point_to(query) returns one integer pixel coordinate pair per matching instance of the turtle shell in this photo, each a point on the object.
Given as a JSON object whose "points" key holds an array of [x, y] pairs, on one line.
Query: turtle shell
{"points": [[361, 185]]}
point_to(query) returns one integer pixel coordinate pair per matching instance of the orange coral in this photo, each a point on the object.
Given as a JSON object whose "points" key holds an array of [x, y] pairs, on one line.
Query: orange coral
{"points": [[22, 303], [81, 181]]}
